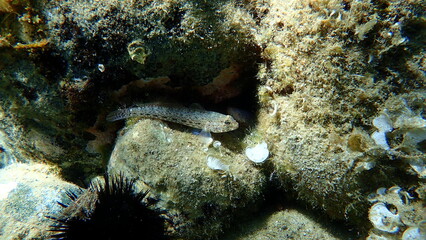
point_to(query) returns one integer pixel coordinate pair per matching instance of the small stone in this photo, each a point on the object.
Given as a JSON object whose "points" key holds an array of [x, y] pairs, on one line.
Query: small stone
{"points": [[29, 193]]}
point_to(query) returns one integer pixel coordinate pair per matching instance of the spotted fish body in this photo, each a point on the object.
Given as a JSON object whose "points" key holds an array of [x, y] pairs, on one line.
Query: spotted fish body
{"points": [[197, 118]]}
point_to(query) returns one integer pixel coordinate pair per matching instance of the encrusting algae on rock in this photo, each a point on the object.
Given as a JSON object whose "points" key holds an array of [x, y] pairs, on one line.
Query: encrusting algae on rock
{"points": [[203, 197], [330, 69], [319, 74]]}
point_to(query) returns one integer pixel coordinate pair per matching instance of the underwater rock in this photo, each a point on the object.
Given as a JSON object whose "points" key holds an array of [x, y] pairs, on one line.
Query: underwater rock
{"points": [[171, 164], [189, 40], [60, 61], [29, 193], [327, 70], [36, 123], [318, 98], [286, 224]]}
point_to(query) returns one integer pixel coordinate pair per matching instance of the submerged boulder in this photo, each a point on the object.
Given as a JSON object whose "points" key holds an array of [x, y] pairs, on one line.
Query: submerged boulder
{"points": [[173, 165]]}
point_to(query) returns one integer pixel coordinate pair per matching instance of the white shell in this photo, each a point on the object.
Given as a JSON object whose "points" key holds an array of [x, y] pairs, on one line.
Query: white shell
{"points": [[413, 233], [380, 139], [407, 122], [216, 164], [258, 153], [217, 144], [419, 166], [383, 123], [381, 191], [383, 219], [414, 136]]}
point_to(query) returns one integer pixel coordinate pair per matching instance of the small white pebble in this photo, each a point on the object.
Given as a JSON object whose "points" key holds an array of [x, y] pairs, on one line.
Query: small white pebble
{"points": [[258, 153]]}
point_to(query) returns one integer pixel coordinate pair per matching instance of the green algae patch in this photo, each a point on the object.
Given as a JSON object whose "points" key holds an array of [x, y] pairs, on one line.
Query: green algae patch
{"points": [[172, 164]]}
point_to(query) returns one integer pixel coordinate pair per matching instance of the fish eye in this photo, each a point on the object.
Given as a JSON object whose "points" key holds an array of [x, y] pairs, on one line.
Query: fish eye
{"points": [[227, 122]]}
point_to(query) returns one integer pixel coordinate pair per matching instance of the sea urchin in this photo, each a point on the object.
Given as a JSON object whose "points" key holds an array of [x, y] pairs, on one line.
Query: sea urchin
{"points": [[109, 210]]}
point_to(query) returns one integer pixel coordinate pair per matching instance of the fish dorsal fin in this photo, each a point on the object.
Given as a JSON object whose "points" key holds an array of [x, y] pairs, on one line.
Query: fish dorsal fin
{"points": [[161, 104], [196, 106]]}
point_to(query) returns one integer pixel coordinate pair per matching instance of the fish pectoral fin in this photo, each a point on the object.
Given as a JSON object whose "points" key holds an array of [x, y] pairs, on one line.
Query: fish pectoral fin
{"points": [[205, 133]]}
